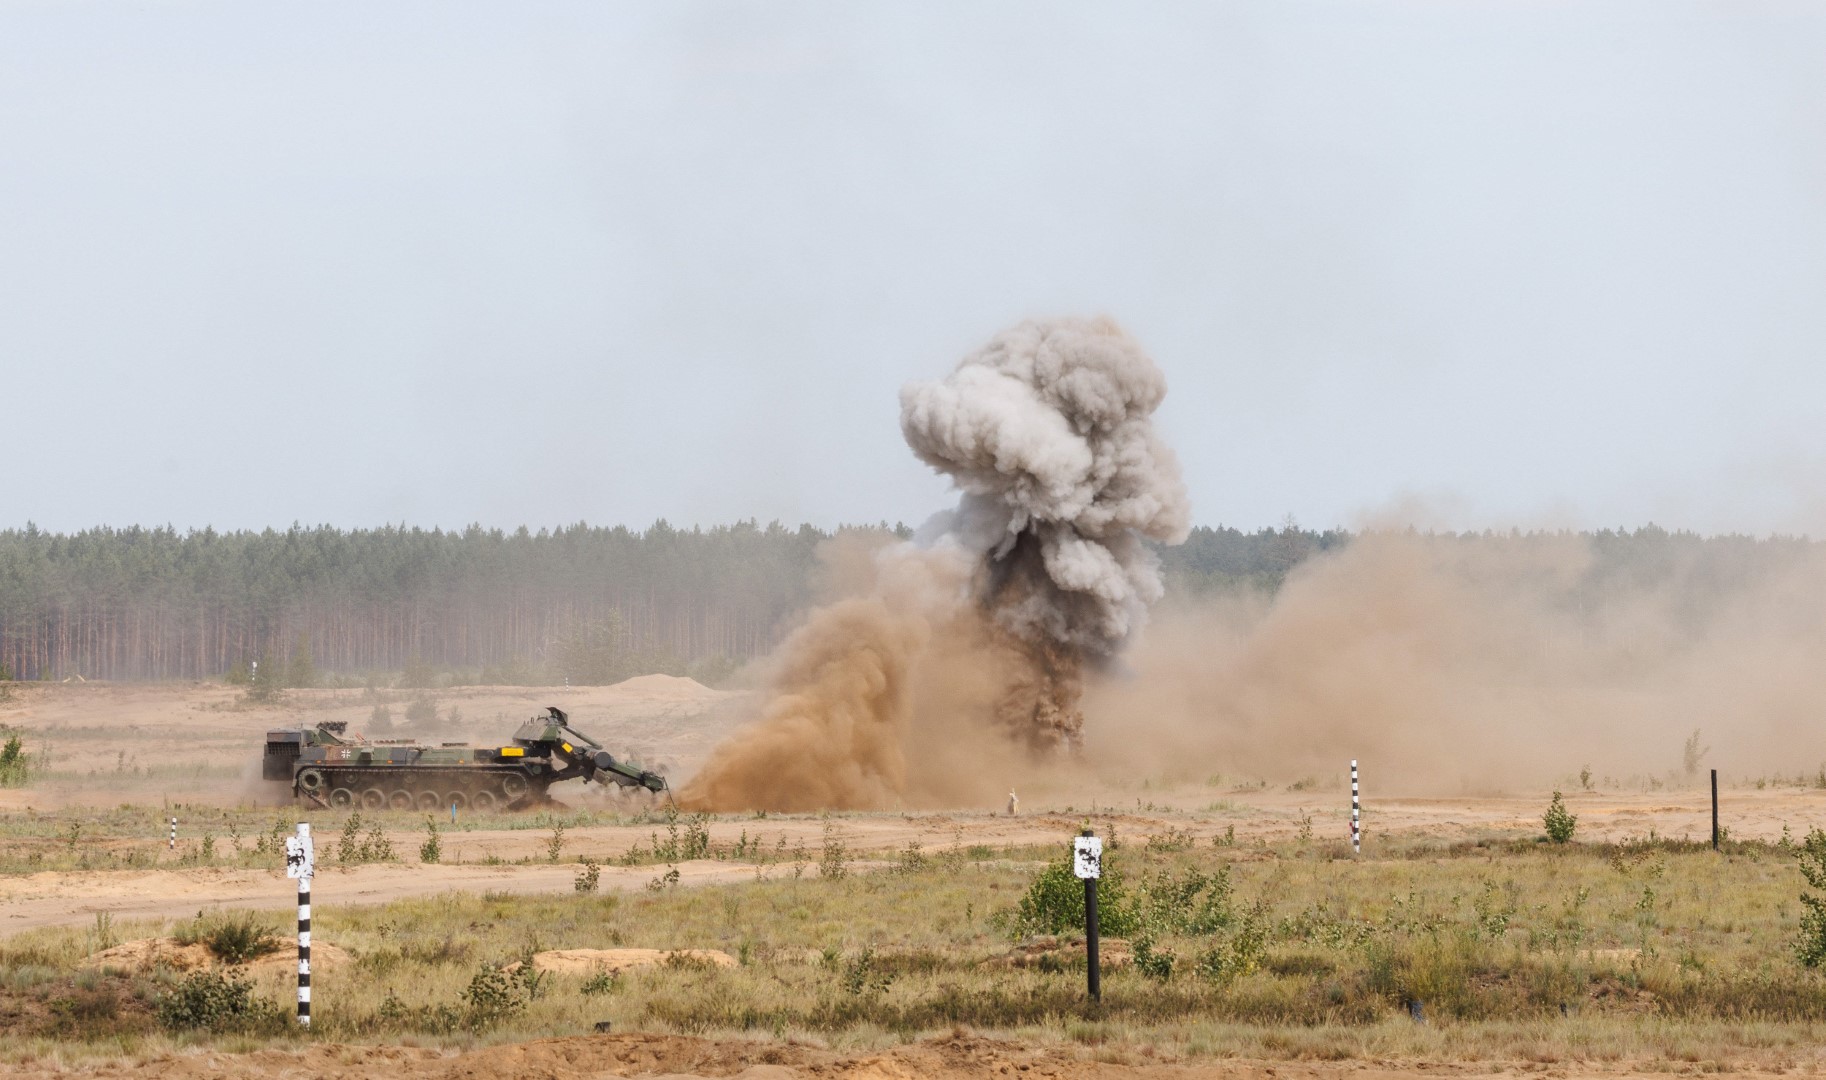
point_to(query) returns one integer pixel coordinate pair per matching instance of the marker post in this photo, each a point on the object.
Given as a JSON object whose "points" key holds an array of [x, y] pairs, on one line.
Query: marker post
{"points": [[301, 863], [1087, 863], [1714, 809], [1356, 813]]}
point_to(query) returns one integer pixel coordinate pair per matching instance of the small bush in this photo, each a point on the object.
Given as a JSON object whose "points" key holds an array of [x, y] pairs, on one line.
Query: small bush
{"points": [[354, 848], [432, 850], [861, 977], [1810, 945], [214, 1001], [15, 763], [833, 863], [1559, 821], [1054, 904], [588, 878], [1241, 954], [239, 939], [494, 994], [1152, 960]]}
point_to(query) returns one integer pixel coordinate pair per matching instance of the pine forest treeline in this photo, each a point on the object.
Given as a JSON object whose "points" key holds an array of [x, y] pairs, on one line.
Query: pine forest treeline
{"points": [[140, 603], [154, 603]]}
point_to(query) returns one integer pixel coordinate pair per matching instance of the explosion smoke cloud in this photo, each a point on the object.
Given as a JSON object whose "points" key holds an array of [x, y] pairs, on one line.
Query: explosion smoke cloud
{"points": [[1048, 432], [1040, 571]]}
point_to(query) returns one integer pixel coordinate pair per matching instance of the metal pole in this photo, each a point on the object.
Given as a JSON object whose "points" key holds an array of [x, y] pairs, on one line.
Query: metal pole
{"points": [[174, 835], [1092, 968], [1356, 813], [1714, 809], [304, 935]]}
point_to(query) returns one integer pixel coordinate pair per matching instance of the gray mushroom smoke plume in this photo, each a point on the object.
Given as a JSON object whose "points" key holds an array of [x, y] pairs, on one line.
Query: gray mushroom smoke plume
{"points": [[1040, 572], [1048, 432]]}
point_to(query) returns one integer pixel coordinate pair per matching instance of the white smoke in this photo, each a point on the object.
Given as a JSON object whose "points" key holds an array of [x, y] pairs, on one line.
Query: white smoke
{"points": [[1048, 431]]}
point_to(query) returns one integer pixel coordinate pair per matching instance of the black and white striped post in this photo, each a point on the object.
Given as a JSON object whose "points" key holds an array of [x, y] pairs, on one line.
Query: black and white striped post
{"points": [[300, 863], [174, 836], [1356, 812]]}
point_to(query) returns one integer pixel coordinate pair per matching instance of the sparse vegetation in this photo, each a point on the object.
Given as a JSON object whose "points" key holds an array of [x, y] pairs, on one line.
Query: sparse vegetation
{"points": [[15, 764], [1810, 942], [355, 847], [432, 849], [1287, 951], [1559, 821], [217, 1001]]}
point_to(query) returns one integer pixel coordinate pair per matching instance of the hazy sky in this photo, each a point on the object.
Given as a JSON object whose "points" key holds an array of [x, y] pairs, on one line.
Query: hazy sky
{"points": [[1472, 263]]}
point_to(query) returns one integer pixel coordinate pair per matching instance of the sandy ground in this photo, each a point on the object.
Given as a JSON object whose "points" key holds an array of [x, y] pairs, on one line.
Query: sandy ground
{"points": [[147, 745], [200, 742], [69, 898], [663, 1056]]}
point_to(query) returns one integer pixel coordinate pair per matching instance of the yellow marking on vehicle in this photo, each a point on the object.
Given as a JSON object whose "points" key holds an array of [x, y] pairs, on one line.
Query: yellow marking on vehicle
{"points": [[513, 751], [567, 747]]}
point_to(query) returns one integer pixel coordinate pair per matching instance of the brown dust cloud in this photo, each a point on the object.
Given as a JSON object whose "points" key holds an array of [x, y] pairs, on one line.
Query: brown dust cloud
{"points": [[1011, 640]]}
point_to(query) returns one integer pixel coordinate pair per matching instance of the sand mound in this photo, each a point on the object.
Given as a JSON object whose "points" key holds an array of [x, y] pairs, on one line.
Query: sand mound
{"points": [[615, 961], [148, 953], [666, 688]]}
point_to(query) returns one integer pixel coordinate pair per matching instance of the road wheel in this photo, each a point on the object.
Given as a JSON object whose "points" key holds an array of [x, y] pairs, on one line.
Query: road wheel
{"points": [[513, 786], [312, 783], [373, 799], [342, 798], [483, 801], [427, 800], [400, 800]]}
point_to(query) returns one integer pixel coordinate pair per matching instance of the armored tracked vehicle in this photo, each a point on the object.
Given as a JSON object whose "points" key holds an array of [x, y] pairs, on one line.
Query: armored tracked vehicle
{"points": [[329, 768]]}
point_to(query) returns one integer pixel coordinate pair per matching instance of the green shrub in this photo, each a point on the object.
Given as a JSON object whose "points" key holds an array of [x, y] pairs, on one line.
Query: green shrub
{"points": [[432, 850], [1150, 959], [1559, 822], [495, 994], [860, 976], [239, 939], [15, 763], [1054, 904], [1241, 953], [214, 1001], [833, 863], [354, 848], [1810, 945]]}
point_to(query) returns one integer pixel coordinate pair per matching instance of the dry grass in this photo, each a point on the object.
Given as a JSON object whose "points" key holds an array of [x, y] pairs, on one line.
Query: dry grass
{"points": [[1515, 950]]}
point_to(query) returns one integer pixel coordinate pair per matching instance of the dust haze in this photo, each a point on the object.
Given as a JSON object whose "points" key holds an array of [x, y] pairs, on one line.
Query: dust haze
{"points": [[1481, 663], [1010, 641]]}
